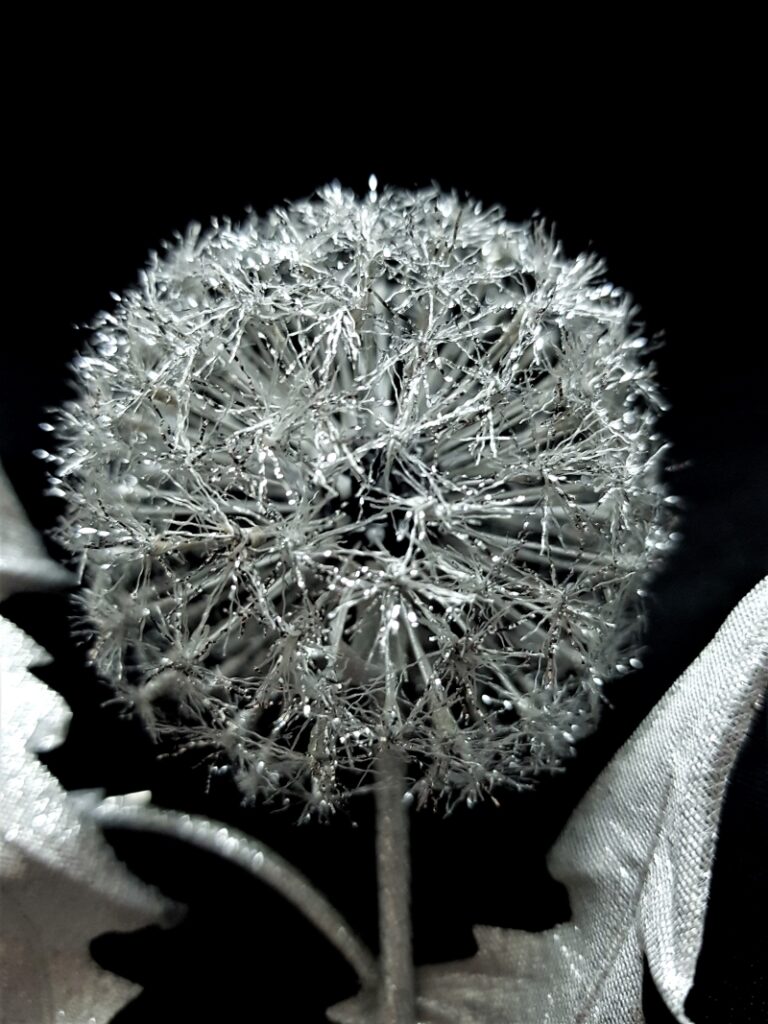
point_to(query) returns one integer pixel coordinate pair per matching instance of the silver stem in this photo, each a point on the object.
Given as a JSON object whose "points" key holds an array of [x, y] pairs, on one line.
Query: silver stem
{"points": [[239, 848], [397, 989]]}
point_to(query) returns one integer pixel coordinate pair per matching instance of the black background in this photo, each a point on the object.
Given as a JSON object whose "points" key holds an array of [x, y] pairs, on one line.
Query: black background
{"points": [[116, 150]]}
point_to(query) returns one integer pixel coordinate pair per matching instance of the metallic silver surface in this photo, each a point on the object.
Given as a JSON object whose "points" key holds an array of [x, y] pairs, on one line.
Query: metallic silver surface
{"points": [[636, 857], [252, 856], [363, 472], [24, 562], [60, 883]]}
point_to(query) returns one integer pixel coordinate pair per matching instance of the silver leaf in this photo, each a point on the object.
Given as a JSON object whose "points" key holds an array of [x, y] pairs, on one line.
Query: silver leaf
{"points": [[24, 562], [636, 857], [61, 883]]}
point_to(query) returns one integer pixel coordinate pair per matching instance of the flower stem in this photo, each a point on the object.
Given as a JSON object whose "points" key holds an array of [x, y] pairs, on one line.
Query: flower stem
{"points": [[262, 862], [396, 987]]}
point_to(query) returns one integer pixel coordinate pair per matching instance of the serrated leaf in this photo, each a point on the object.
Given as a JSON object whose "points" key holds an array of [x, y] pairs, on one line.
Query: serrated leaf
{"points": [[61, 884]]}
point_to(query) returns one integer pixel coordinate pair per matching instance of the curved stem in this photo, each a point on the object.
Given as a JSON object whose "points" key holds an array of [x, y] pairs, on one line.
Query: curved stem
{"points": [[239, 848], [397, 987]]}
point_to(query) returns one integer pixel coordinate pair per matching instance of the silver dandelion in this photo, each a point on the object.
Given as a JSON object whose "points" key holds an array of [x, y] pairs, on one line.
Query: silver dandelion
{"points": [[365, 474]]}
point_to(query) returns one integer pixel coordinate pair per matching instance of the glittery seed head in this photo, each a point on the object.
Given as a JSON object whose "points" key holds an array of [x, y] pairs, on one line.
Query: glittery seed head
{"points": [[364, 472]]}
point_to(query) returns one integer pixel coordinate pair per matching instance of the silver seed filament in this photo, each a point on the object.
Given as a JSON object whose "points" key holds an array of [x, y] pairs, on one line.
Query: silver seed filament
{"points": [[365, 472]]}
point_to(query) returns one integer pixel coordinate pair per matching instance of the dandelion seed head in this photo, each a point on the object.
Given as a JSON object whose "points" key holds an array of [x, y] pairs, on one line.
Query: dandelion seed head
{"points": [[365, 471]]}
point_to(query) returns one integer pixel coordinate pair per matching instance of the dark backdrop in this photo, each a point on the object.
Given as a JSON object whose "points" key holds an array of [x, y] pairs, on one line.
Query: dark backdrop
{"points": [[112, 159]]}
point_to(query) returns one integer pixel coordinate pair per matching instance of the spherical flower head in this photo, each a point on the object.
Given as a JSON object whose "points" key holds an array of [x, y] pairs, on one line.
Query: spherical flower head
{"points": [[365, 472]]}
